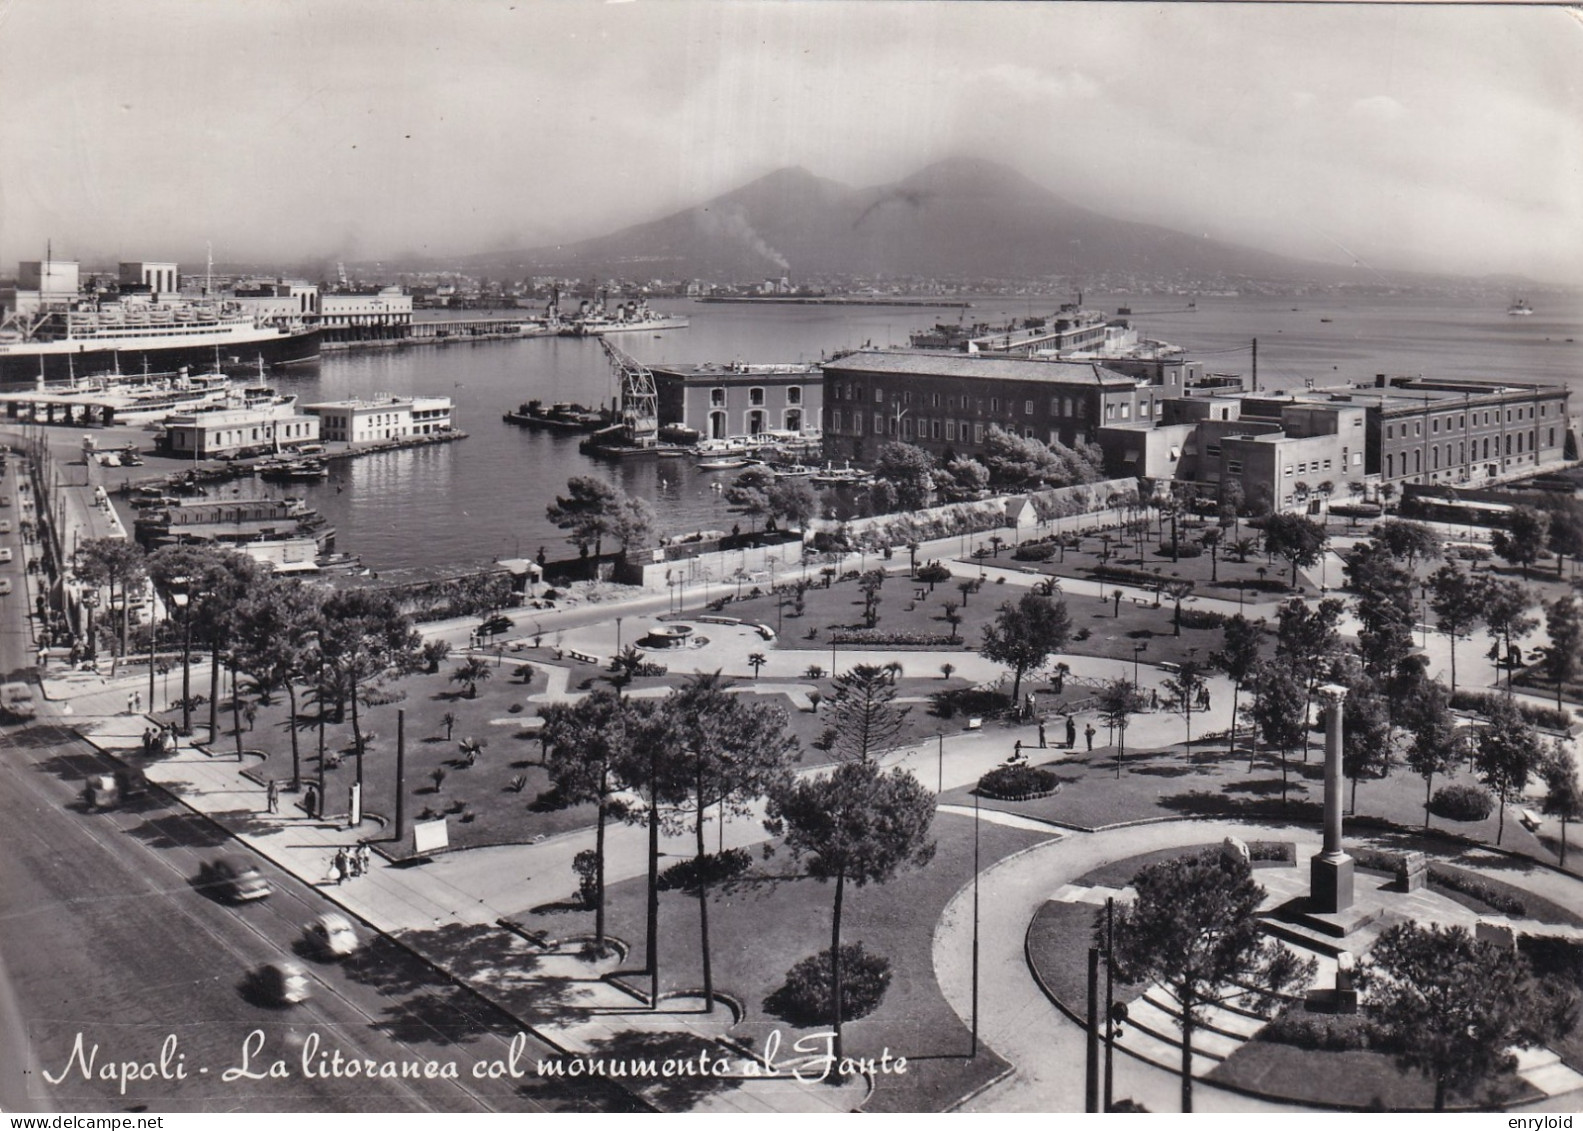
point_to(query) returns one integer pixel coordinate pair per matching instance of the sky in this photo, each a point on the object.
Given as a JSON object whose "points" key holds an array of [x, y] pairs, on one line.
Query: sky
{"points": [[1443, 138]]}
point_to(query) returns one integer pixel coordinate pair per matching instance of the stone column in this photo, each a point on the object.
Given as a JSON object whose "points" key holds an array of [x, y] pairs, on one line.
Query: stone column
{"points": [[1330, 873]]}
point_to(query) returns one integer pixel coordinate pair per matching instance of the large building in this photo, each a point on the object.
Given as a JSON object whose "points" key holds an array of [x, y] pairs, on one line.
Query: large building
{"points": [[719, 401], [384, 418], [220, 432], [942, 401]]}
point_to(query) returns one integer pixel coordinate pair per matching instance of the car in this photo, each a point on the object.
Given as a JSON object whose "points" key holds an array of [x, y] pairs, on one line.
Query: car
{"points": [[6, 554], [106, 791], [5, 526], [5, 500], [281, 983], [331, 936], [233, 879], [496, 625], [5, 586], [16, 699]]}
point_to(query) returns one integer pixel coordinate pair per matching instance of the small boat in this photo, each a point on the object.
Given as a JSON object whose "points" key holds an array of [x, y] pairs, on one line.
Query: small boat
{"points": [[793, 471], [722, 464], [1327, 319], [297, 471], [1520, 307]]}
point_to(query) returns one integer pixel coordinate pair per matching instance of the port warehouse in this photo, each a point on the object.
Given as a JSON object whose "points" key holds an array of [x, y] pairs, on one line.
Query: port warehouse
{"points": [[1164, 419], [718, 401]]}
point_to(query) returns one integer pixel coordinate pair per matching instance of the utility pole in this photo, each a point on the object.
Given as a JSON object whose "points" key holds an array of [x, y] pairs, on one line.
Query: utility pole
{"points": [[1255, 365], [1091, 1076]]}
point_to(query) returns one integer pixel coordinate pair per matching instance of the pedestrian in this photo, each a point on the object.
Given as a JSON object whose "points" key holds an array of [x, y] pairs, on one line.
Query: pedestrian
{"points": [[341, 866], [335, 873], [1206, 698], [1071, 733], [364, 859], [131, 704], [1154, 698], [1088, 733], [274, 796], [1042, 744], [354, 865], [1016, 751]]}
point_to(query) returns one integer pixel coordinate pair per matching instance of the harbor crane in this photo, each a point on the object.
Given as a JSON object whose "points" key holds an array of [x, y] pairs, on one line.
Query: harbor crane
{"points": [[639, 407]]}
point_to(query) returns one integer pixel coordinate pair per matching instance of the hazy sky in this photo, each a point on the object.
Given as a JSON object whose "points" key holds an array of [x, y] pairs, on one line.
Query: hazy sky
{"points": [[1433, 137]]}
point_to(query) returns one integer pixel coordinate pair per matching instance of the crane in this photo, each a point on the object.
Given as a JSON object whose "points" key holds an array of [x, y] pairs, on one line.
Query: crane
{"points": [[640, 401]]}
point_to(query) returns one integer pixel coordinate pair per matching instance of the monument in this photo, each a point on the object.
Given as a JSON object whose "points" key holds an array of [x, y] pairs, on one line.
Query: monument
{"points": [[1330, 873]]}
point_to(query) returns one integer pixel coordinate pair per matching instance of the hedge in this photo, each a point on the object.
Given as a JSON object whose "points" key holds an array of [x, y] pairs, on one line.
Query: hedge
{"points": [[1499, 897], [876, 636], [1202, 618], [1462, 803], [1183, 550], [1482, 702], [806, 999], [1034, 552]]}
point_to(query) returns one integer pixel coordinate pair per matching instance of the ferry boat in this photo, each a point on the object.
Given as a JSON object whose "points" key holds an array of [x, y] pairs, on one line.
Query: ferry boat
{"points": [[233, 524], [97, 338], [1520, 307]]}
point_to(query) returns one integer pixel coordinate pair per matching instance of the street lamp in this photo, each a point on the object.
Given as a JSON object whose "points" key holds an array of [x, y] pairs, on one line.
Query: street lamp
{"points": [[1137, 650], [1423, 592], [940, 773], [90, 601], [184, 603]]}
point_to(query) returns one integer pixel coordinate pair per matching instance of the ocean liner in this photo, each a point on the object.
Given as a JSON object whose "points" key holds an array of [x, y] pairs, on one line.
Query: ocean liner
{"points": [[92, 339]]}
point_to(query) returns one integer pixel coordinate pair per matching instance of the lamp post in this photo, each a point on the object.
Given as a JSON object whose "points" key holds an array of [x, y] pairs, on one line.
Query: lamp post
{"points": [[184, 602], [1137, 650], [90, 601], [939, 787], [1423, 592], [975, 925], [618, 636]]}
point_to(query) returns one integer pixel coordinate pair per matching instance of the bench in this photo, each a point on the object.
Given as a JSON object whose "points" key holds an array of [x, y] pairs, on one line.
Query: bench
{"points": [[975, 724], [583, 656], [1530, 820]]}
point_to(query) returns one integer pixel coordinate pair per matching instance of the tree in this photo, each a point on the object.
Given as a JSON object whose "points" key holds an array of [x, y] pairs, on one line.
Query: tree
{"points": [[1017, 462], [1178, 588], [854, 825], [632, 523], [1407, 541], [1185, 688], [1195, 928], [757, 660], [1242, 547], [1506, 605], [1237, 658], [1306, 638], [794, 500], [1280, 711], [215, 583], [116, 563], [1452, 1007], [1210, 540], [1563, 791], [730, 752], [1435, 745], [1524, 538], [1508, 751], [470, 673], [277, 645], [1118, 701], [749, 492], [1023, 636], [910, 470], [1365, 734], [1564, 653], [585, 744], [863, 712], [969, 475], [365, 636], [1297, 539], [1384, 606], [952, 617], [870, 583], [1457, 598], [586, 511], [1566, 533]]}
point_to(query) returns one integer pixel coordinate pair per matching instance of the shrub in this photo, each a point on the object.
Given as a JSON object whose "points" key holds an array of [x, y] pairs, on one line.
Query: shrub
{"points": [[874, 636], [1553, 958], [1034, 552], [934, 573], [552, 594], [806, 997], [1016, 783], [586, 865], [1282, 850], [1183, 550], [1498, 896], [1376, 859], [711, 868], [985, 702], [1462, 803], [1317, 1031], [1202, 618]]}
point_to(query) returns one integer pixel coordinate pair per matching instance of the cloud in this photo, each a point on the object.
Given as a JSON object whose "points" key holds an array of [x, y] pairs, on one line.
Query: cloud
{"points": [[1378, 108]]}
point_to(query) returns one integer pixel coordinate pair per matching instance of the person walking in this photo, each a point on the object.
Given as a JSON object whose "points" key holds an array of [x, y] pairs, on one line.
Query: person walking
{"points": [[341, 866], [364, 859], [131, 703], [1042, 743], [1088, 733], [274, 796], [1071, 733]]}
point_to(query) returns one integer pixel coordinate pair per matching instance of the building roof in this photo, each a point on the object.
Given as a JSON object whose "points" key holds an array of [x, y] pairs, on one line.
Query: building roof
{"points": [[926, 363]]}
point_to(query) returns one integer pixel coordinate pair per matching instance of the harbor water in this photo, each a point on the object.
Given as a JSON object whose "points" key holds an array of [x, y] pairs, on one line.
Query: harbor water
{"points": [[485, 497]]}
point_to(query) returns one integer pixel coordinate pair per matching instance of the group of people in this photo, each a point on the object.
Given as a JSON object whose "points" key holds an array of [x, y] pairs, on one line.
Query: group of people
{"points": [[159, 740], [350, 863]]}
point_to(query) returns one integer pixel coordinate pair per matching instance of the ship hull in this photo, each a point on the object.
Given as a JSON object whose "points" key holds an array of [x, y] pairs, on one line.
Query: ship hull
{"points": [[20, 368]]}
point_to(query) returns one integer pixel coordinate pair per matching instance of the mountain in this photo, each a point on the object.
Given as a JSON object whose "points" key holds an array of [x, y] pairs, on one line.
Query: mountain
{"points": [[961, 218]]}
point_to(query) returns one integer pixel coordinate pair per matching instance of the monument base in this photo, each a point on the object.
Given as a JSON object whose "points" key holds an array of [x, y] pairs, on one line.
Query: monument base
{"points": [[1330, 883]]}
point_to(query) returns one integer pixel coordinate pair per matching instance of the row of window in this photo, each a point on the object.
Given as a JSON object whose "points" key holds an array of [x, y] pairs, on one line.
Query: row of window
{"points": [[717, 396], [1530, 439], [1479, 420], [1071, 407]]}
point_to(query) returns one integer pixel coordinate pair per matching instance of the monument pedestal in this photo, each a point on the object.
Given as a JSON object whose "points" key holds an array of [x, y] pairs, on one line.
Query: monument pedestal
{"points": [[1330, 883]]}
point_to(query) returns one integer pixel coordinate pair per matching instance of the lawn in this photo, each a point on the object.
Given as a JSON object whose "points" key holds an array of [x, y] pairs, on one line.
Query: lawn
{"points": [[761, 927]]}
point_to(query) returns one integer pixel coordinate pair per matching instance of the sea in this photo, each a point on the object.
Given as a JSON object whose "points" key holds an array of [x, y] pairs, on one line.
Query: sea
{"points": [[484, 497]]}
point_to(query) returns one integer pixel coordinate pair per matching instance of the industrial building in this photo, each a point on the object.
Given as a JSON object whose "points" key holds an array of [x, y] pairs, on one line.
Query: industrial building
{"points": [[719, 401]]}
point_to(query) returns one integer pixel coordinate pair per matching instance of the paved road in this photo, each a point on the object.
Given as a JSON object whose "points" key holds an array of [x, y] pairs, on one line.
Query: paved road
{"points": [[104, 934]]}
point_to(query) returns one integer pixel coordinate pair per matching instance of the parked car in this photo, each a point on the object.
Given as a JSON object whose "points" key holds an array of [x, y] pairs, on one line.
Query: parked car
{"points": [[7, 554], [5, 586], [5, 526], [331, 936], [496, 625], [16, 699], [281, 983], [233, 879]]}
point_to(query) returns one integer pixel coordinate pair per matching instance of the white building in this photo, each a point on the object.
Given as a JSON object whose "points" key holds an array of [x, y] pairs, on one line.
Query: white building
{"points": [[384, 418], [387, 307], [206, 435]]}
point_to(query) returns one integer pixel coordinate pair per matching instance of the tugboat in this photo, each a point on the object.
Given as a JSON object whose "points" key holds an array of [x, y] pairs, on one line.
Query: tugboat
{"points": [[1520, 307]]}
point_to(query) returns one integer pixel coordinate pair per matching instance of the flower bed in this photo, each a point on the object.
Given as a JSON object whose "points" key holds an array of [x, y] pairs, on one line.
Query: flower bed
{"points": [[1017, 783], [873, 636]]}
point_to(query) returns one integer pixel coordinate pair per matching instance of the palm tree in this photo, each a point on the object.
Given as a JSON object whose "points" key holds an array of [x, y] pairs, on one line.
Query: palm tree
{"points": [[756, 661], [471, 672]]}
